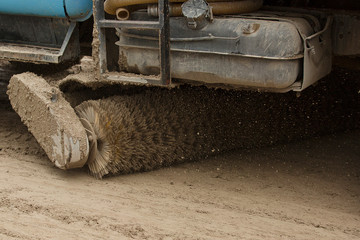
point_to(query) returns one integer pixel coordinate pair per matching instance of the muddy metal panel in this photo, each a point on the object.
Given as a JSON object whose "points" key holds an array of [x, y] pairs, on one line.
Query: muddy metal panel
{"points": [[259, 51], [38, 39], [222, 69], [317, 56], [33, 30]]}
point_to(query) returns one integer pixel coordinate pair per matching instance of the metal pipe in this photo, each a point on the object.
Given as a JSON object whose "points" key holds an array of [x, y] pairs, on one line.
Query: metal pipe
{"points": [[77, 10]]}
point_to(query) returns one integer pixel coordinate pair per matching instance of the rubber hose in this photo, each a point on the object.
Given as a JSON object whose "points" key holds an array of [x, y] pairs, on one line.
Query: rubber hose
{"points": [[122, 14], [222, 8], [218, 8], [110, 6]]}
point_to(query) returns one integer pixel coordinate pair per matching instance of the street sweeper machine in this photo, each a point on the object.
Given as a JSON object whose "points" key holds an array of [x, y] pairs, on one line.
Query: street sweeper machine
{"points": [[152, 92]]}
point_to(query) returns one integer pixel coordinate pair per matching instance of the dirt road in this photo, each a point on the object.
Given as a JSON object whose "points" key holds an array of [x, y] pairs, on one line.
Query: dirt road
{"points": [[302, 190]]}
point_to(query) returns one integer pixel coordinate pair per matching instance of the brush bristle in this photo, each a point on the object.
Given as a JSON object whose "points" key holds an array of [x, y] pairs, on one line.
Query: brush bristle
{"points": [[98, 160], [160, 127]]}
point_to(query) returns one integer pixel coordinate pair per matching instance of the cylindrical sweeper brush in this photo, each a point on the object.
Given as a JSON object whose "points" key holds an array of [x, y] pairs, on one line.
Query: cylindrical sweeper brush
{"points": [[145, 131], [141, 132]]}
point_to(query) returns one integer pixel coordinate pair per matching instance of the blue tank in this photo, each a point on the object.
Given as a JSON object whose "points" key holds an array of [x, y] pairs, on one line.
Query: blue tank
{"points": [[75, 10]]}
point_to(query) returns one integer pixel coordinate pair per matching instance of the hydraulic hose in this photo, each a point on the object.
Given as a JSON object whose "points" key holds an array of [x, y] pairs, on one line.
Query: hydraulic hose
{"points": [[222, 8], [111, 6], [218, 8], [122, 14]]}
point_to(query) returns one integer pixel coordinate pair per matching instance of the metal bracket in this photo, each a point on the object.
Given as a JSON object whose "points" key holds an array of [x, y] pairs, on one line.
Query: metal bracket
{"points": [[67, 37], [162, 25], [317, 56], [38, 39]]}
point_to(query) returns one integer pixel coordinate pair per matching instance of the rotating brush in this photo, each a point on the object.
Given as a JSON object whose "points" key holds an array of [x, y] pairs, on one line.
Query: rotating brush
{"points": [[145, 131], [160, 127]]}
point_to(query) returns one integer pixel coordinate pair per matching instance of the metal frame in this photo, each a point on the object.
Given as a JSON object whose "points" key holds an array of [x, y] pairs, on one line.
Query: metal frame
{"points": [[162, 25], [65, 45]]}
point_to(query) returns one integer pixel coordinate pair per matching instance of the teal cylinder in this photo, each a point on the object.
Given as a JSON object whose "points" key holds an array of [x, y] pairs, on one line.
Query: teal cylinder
{"points": [[75, 10]]}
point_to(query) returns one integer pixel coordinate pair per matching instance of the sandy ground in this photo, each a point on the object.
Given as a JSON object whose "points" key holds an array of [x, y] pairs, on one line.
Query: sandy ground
{"points": [[301, 190]]}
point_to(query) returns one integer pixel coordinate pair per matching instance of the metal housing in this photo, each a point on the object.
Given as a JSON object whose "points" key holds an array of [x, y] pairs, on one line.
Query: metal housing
{"points": [[269, 51]]}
